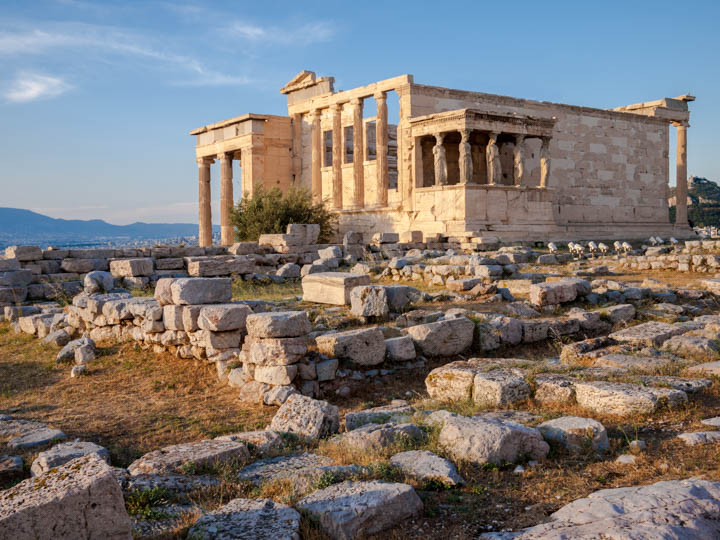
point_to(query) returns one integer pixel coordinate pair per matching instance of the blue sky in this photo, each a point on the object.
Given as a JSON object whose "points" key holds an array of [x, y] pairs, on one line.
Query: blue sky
{"points": [[97, 98]]}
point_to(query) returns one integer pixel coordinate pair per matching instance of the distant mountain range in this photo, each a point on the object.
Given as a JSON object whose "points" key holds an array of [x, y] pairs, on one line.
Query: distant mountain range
{"points": [[25, 226]]}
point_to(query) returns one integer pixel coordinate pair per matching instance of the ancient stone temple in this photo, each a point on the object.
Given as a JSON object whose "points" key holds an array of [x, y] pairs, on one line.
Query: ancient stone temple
{"points": [[459, 163]]}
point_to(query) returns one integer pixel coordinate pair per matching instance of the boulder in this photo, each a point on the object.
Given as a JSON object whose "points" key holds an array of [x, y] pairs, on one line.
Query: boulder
{"points": [[189, 291], [261, 519], [81, 499], [365, 347], [261, 442], [62, 453], [331, 287], [393, 413], [687, 509], [306, 417], [351, 510], [443, 338], [36, 437], [189, 455], [428, 467], [487, 440], [575, 433], [278, 324], [552, 293], [288, 271], [11, 469], [401, 296]]}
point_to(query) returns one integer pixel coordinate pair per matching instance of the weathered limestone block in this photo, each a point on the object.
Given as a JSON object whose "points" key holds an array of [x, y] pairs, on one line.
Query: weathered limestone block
{"points": [[36, 437], [393, 413], [62, 453], [575, 433], [708, 368], [9, 265], [278, 324], [649, 334], [132, 267], [534, 330], [624, 399], [700, 437], [276, 351], [169, 263], [508, 329], [23, 253], [365, 346], [380, 436], [428, 467], [554, 389], [275, 375], [443, 338], [80, 500], [189, 291], [331, 287], [401, 296], [306, 417], [485, 440], [248, 518], [173, 317], [691, 345], [304, 470], [260, 443], [369, 301], [172, 458], [163, 292], [223, 317], [354, 509], [220, 266], [499, 387], [688, 509], [552, 293], [400, 349], [16, 278], [98, 282], [288, 271], [620, 313], [213, 340]]}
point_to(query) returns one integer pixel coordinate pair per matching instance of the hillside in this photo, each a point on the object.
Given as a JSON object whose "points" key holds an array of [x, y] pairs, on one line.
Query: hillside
{"points": [[25, 226], [704, 208]]}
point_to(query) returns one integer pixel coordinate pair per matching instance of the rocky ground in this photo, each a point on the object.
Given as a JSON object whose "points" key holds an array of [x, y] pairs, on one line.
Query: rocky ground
{"points": [[521, 396]]}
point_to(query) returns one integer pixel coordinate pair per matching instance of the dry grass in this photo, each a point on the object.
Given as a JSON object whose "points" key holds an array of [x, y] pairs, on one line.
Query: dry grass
{"points": [[132, 401]]}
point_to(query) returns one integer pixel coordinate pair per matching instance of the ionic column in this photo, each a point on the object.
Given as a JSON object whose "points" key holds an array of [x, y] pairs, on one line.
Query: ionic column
{"points": [[492, 156], [381, 138], [545, 162], [204, 210], [227, 235], [358, 154], [440, 160], [681, 187], [465, 159], [316, 157], [337, 197], [519, 159]]}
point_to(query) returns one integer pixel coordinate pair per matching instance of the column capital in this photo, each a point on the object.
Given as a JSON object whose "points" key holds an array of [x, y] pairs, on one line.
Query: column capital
{"points": [[439, 136], [356, 102], [224, 156], [336, 107], [685, 124], [519, 138], [380, 96], [464, 135], [204, 161]]}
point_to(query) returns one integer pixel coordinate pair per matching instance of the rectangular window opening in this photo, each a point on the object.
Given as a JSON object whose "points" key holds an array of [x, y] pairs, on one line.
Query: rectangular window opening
{"points": [[327, 148], [349, 145]]}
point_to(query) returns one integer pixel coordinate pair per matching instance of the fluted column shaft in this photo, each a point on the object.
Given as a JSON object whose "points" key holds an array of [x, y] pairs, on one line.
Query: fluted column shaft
{"points": [[358, 154], [204, 210], [227, 235], [316, 157], [381, 138], [681, 187], [337, 152]]}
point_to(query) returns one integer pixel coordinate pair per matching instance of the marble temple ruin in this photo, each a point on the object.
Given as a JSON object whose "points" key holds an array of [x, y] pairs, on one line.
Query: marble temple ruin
{"points": [[459, 163]]}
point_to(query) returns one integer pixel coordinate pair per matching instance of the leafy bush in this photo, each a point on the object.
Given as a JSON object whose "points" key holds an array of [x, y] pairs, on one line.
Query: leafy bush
{"points": [[271, 211]]}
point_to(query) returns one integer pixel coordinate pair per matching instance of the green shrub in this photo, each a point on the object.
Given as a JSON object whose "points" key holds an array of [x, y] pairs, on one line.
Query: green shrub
{"points": [[271, 211]]}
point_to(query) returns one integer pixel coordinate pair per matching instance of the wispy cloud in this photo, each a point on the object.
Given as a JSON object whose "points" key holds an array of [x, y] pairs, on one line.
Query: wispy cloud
{"points": [[33, 86], [303, 34]]}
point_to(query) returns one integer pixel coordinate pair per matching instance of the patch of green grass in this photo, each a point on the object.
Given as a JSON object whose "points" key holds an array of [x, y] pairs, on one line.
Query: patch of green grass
{"points": [[249, 290], [142, 502]]}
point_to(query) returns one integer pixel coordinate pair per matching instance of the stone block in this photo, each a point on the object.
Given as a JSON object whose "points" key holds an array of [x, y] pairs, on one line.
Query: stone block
{"points": [[223, 317], [443, 338], [61, 453], [369, 301], [575, 433], [220, 266], [81, 499], [278, 324], [171, 459], [248, 518], [276, 351], [132, 267], [276, 375], [552, 293], [23, 253], [16, 278], [364, 347], [649, 334], [191, 291], [306, 417], [400, 349], [9, 265], [78, 266], [331, 287]]}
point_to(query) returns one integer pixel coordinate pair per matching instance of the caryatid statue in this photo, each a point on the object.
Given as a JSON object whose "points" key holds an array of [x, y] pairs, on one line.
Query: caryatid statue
{"points": [[465, 159], [519, 159], [492, 154], [545, 161], [440, 161]]}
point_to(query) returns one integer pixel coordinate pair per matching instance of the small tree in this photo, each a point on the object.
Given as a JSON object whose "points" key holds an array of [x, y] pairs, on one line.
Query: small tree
{"points": [[271, 211]]}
